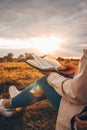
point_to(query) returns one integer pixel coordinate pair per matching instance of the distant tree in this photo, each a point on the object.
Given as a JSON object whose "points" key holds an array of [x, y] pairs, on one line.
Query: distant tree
{"points": [[60, 58], [9, 57], [20, 58], [4, 59], [28, 56], [1, 59]]}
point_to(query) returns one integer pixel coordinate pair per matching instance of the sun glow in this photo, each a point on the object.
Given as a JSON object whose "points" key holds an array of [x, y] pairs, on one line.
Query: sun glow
{"points": [[44, 45]]}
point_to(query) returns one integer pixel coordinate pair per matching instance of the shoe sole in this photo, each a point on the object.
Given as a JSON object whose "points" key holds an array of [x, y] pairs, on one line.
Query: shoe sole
{"points": [[13, 91]]}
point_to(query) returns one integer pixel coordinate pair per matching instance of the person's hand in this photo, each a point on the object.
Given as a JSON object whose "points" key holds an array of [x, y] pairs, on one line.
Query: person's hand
{"points": [[48, 71], [70, 69], [45, 73]]}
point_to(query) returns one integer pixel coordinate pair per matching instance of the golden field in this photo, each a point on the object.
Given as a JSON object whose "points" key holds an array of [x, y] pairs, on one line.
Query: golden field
{"points": [[40, 116]]}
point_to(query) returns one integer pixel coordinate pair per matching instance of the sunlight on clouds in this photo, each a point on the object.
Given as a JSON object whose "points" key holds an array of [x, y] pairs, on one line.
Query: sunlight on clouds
{"points": [[45, 45], [9, 44]]}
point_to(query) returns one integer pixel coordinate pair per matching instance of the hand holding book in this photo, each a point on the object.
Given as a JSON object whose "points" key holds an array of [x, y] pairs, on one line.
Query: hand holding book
{"points": [[47, 64], [48, 71], [70, 69]]}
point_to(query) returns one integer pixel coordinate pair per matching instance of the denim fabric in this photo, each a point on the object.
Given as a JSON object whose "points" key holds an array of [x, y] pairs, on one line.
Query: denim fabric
{"points": [[26, 98]]}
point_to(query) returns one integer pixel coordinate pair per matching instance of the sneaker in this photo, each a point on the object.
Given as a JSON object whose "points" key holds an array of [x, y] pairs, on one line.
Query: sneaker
{"points": [[6, 112], [13, 91]]}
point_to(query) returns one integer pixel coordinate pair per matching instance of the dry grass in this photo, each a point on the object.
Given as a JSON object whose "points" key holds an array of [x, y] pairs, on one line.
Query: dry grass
{"points": [[21, 75], [18, 72], [40, 116]]}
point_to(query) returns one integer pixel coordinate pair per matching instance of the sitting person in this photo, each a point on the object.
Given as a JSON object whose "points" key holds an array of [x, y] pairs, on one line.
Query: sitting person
{"points": [[67, 95]]}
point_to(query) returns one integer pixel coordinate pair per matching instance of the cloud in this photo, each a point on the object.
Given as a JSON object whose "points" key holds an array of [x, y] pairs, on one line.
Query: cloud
{"points": [[24, 19]]}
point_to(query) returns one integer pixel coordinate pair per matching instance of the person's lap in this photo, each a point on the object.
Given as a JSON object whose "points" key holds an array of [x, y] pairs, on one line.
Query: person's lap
{"points": [[49, 92], [26, 97]]}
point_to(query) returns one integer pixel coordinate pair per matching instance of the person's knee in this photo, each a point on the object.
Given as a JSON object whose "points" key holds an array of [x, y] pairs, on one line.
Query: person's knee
{"points": [[42, 82]]}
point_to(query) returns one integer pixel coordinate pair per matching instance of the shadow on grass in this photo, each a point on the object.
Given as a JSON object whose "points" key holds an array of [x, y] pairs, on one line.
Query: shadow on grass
{"points": [[40, 116]]}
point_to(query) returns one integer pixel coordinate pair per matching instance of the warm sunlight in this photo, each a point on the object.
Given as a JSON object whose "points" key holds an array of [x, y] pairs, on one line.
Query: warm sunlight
{"points": [[44, 45]]}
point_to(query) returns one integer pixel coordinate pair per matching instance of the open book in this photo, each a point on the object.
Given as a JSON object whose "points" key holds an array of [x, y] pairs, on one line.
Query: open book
{"points": [[46, 63]]}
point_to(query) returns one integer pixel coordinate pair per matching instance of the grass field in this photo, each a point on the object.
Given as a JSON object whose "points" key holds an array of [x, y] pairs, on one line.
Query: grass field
{"points": [[40, 116]]}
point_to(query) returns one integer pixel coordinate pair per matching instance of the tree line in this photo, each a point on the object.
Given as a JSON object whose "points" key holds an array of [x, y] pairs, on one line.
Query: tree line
{"points": [[10, 58]]}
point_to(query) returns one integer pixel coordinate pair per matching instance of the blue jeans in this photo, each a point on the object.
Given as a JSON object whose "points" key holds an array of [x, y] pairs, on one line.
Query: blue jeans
{"points": [[27, 96]]}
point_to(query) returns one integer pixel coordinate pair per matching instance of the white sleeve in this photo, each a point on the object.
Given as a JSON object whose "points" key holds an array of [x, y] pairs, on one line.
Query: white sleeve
{"points": [[73, 90], [62, 85]]}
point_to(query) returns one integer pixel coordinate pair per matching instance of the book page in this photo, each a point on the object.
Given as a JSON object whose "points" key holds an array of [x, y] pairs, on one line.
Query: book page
{"points": [[32, 62], [45, 63], [42, 62], [52, 61]]}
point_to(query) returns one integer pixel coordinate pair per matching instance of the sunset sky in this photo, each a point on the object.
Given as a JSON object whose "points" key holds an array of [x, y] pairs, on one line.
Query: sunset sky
{"points": [[57, 27]]}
